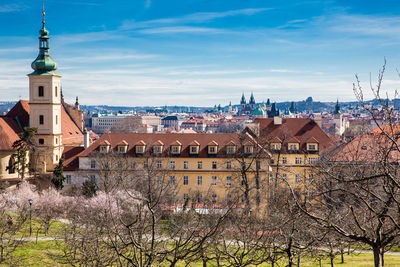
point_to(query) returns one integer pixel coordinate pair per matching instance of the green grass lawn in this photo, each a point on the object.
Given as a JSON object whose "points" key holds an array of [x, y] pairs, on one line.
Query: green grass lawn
{"points": [[55, 229], [48, 253], [42, 253]]}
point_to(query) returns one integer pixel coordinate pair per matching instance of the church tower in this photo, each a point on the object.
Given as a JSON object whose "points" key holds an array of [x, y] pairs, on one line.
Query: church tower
{"points": [[45, 106]]}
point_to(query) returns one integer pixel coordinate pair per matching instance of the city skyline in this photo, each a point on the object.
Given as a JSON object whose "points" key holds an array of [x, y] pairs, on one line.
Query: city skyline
{"points": [[201, 53]]}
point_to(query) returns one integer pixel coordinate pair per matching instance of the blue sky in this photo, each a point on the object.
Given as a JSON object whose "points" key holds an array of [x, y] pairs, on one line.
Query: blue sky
{"points": [[202, 52]]}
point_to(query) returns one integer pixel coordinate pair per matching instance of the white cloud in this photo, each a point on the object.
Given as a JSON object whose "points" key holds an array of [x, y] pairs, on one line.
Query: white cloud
{"points": [[11, 8], [181, 29], [199, 17]]}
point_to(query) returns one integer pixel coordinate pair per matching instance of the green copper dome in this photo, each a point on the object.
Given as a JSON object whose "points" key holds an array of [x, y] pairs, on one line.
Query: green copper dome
{"points": [[43, 64], [258, 111]]}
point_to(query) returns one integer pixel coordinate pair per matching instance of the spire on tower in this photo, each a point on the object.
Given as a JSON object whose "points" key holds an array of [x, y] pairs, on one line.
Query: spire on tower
{"points": [[43, 64], [43, 15], [243, 100], [252, 100], [337, 107]]}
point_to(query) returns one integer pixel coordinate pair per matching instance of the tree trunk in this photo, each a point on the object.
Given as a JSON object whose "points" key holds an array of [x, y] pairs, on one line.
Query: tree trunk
{"points": [[298, 260], [320, 262], [383, 256], [332, 263], [204, 263], [342, 255], [377, 257], [290, 258]]}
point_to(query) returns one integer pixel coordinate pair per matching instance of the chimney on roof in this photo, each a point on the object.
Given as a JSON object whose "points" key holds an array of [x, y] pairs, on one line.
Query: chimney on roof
{"points": [[86, 140], [277, 120], [76, 103]]}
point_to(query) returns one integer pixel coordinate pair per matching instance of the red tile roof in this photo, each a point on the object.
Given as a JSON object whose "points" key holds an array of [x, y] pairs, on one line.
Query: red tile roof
{"points": [[367, 148], [300, 128], [70, 155], [20, 112], [168, 139], [9, 130], [72, 134]]}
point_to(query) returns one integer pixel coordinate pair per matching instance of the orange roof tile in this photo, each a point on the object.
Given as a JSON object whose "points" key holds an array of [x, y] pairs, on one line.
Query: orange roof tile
{"points": [[72, 134], [158, 143], [184, 140], [194, 143], [9, 130], [212, 143], [301, 128]]}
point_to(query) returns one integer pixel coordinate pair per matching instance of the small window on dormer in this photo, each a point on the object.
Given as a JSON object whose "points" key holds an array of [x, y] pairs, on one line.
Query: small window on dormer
{"points": [[364, 147], [248, 149], [41, 91], [157, 149], [140, 149], [293, 147], [312, 147], [103, 149], [122, 149], [194, 149], [212, 149], [175, 149], [275, 146], [230, 150]]}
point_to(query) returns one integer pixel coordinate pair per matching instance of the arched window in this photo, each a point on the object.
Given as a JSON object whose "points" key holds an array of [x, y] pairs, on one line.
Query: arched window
{"points": [[11, 166]]}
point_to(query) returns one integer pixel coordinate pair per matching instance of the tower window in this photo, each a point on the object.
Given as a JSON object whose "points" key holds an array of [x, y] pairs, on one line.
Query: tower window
{"points": [[56, 91], [41, 141], [41, 119], [41, 91], [56, 119]]}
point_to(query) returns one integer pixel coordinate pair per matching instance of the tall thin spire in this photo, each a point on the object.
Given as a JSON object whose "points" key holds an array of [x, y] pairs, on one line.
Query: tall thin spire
{"points": [[43, 15]]}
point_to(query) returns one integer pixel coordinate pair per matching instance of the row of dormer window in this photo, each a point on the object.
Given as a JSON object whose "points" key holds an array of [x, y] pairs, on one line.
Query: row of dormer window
{"points": [[294, 146], [171, 163], [176, 149]]}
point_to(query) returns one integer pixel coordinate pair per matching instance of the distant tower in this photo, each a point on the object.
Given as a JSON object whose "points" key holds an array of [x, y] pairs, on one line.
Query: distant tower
{"points": [[45, 105], [273, 112], [230, 107], [242, 103], [337, 108], [252, 102], [292, 108]]}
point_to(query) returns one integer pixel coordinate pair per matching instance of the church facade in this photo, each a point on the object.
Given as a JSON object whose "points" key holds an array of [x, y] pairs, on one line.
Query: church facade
{"points": [[58, 124]]}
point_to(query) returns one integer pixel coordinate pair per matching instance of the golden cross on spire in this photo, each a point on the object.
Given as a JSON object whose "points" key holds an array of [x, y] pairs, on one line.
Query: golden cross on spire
{"points": [[43, 14]]}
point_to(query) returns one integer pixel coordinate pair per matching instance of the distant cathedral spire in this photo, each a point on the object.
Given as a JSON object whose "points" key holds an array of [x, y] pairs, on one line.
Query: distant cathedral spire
{"points": [[252, 100], [243, 100]]}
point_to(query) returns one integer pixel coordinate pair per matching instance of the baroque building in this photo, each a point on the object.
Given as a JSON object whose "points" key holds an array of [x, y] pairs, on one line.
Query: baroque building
{"points": [[58, 124]]}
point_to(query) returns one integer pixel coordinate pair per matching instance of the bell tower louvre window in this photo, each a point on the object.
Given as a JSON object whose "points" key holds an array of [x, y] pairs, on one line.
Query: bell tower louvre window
{"points": [[41, 119], [41, 91]]}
